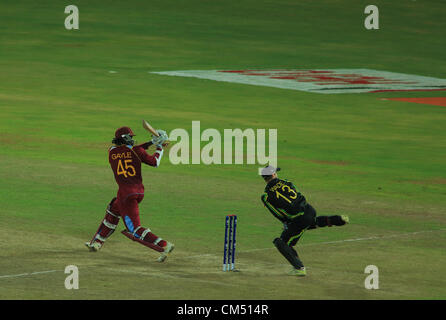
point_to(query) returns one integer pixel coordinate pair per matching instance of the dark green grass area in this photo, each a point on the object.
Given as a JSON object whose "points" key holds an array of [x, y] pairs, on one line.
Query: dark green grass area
{"points": [[381, 162]]}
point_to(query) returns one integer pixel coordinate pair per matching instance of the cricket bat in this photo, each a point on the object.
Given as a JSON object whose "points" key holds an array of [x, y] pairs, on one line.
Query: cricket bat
{"points": [[149, 128]]}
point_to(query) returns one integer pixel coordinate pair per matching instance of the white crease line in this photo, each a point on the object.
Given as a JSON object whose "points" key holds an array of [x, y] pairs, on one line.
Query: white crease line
{"points": [[27, 274], [375, 237], [330, 242]]}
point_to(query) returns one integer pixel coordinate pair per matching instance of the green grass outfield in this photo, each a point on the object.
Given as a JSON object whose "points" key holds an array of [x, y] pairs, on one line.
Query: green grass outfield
{"points": [[381, 162]]}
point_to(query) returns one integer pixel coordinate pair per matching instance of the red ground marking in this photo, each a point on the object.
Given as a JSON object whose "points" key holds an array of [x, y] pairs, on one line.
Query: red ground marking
{"points": [[396, 90], [319, 77], [437, 101], [233, 71]]}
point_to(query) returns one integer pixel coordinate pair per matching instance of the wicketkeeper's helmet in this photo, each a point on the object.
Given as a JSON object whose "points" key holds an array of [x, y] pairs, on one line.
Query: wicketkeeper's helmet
{"points": [[268, 171]]}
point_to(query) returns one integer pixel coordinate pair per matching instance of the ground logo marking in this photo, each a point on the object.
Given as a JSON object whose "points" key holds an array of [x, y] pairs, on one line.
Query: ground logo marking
{"points": [[327, 81]]}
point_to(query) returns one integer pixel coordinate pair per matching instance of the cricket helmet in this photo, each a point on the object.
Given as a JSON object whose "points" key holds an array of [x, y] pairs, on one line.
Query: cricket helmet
{"points": [[124, 135], [123, 131]]}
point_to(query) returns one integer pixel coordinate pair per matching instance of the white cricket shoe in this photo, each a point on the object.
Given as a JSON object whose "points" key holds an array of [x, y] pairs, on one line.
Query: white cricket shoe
{"points": [[167, 249], [93, 247]]}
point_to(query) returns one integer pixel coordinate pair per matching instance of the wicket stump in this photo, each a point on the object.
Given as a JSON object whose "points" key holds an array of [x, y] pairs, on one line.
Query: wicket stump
{"points": [[230, 240]]}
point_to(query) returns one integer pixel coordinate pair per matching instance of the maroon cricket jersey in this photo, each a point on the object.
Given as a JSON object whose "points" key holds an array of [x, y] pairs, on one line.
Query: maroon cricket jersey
{"points": [[125, 162]]}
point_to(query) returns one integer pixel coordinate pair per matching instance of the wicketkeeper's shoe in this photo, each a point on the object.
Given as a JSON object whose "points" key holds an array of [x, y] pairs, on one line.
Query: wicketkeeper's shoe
{"points": [[93, 247], [345, 219], [167, 249], [299, 272]]}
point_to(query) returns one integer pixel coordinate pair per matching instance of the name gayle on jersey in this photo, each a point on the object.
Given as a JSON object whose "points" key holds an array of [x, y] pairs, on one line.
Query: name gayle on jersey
{"points": [[123, 155]]}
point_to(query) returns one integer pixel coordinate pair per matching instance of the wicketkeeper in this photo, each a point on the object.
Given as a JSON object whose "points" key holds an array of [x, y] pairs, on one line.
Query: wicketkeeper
{"points": [[288, 205], [125, 160]]}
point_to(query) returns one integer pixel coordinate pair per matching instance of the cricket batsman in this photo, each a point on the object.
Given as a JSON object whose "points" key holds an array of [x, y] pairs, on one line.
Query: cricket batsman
{"points": [[288, 205], [125, 161]]}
